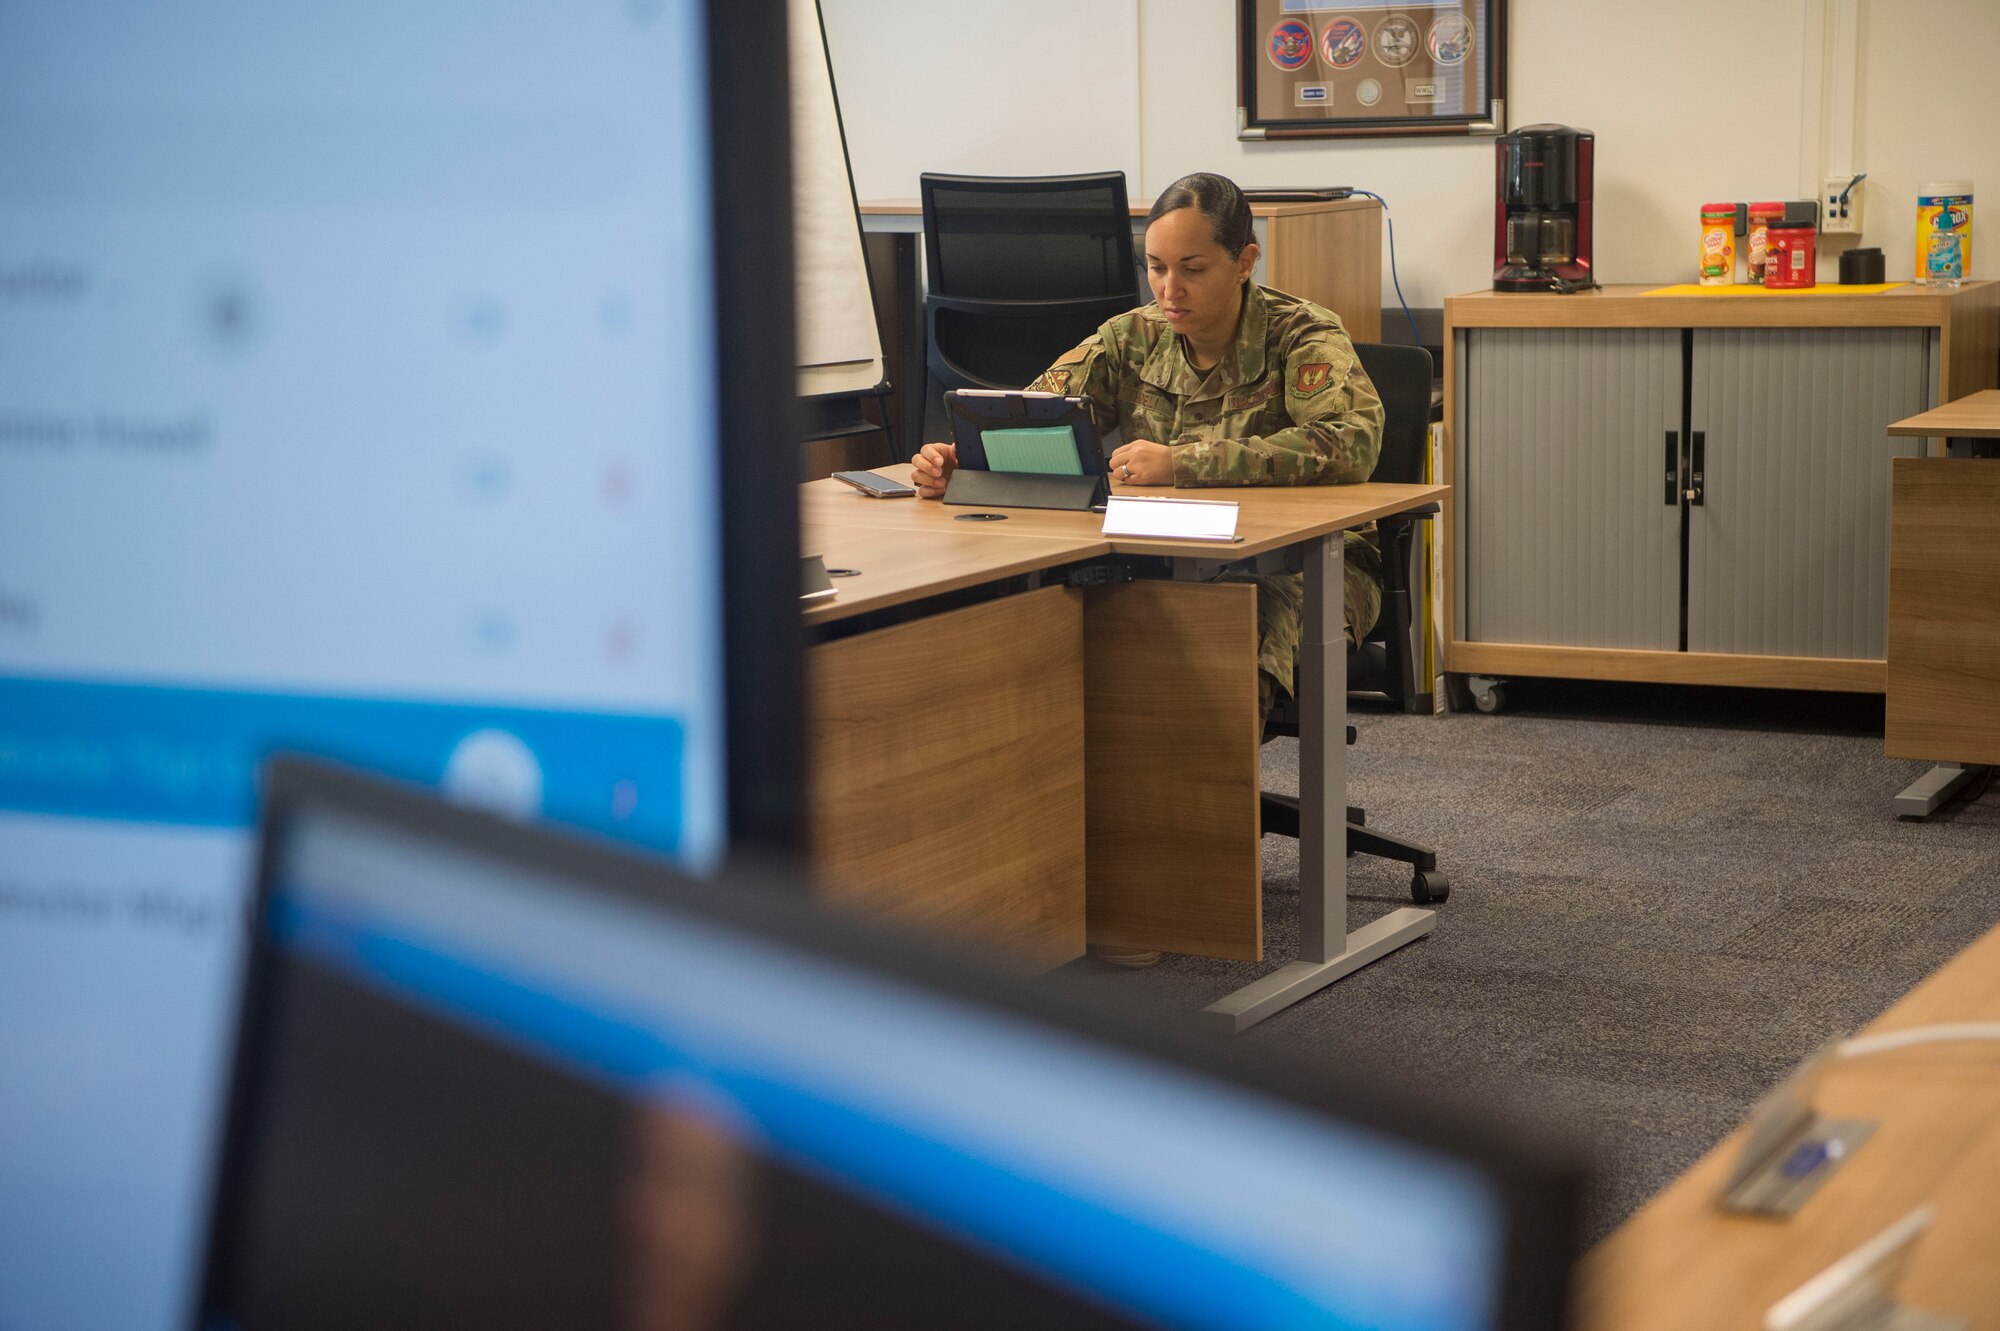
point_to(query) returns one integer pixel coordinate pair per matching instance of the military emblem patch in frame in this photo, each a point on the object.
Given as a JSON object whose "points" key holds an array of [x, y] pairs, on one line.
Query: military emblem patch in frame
{"points": [[1290, 45], [1370, 68]]}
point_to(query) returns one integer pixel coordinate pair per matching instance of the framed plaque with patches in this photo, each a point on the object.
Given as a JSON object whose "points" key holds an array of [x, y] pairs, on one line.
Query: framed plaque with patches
{"points": [[1319, 69]]}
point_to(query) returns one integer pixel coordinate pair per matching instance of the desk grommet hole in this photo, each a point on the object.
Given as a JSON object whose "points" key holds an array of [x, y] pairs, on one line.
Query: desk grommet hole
{"points": [[979, 517]]}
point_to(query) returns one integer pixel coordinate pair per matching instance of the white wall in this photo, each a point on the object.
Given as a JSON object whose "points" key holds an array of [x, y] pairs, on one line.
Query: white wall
{"points": [[1691, 101], [1020, 88], [1929, 110], [1666, 141]]}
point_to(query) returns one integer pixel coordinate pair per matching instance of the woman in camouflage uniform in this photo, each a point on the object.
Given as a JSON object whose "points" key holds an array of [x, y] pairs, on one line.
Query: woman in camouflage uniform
{"points": [[1223, 382]]}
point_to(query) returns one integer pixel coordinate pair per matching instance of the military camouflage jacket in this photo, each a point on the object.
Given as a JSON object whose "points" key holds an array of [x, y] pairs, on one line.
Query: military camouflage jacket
{"points": [[1290, 405]]}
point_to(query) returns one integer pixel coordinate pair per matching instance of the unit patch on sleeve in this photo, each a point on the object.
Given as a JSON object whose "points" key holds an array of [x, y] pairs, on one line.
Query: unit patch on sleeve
{"points": [[1312, 379], [1052, 381]]}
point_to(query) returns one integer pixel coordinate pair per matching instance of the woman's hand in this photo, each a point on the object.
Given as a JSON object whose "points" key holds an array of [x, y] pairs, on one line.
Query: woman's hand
{"points": [[931, 468], [1142, 462]]}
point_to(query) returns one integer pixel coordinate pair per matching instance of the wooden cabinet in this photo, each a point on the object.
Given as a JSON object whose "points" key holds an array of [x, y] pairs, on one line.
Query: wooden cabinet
{"points": [[1569, 540], [1788, 547], [1688, 488]]}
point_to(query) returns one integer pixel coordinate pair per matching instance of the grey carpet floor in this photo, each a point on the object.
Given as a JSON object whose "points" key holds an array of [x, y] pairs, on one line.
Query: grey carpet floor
{"points": [[1662, 899]]}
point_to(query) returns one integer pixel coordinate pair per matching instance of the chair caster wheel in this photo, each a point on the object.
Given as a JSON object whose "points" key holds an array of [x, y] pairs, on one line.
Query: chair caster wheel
{"points": [[1428, 886]]}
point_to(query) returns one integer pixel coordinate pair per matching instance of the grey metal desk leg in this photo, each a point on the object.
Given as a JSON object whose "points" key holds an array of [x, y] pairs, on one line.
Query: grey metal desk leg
{"points": [[1327, 951], [1929, 792]]}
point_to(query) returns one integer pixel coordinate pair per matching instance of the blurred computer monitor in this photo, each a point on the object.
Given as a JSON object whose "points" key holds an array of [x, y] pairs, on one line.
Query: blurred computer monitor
{"points": [[494, 1077], [364, 390]]}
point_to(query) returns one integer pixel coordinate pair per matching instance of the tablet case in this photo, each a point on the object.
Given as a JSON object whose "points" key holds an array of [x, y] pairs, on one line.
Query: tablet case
{"points": [[1024, 450]]}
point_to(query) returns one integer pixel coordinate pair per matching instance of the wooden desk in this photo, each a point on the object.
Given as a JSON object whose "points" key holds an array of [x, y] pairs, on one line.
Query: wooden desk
{"points": [[1577, 426], [1268, 518], [1974, 416], [1330, 253], [1943, 699], [946, 768], [1680, 1262], [893, 567]]}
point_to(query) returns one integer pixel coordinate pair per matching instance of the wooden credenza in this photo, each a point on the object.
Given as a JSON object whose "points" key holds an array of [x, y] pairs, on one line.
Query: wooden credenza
{"points": [[1688, 488]]}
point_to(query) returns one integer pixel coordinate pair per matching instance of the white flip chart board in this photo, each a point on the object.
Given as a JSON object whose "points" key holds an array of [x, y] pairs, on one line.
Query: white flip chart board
{"points": [[839, 345]]}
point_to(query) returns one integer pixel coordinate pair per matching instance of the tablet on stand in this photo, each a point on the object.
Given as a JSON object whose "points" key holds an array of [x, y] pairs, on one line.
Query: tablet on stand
{"points": [[1024, 450]]}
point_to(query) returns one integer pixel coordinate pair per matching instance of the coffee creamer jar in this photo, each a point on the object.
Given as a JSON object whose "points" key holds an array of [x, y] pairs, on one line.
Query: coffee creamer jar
{"points": [[1944, 232], [1758, 238], [1718, 244]]}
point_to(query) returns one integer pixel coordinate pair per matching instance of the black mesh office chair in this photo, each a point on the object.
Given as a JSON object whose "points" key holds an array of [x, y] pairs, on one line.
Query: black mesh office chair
{"points": [[1020, 270], [1385, 662]]}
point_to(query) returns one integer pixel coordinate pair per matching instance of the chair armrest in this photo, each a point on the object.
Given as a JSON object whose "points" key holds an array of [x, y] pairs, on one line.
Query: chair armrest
{"points": [[1396, 531], [1423, 513]]}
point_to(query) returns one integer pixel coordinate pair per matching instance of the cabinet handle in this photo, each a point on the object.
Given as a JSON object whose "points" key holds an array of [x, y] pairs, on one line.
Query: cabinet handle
{"points": [[1698, 472], [1673, 469]]}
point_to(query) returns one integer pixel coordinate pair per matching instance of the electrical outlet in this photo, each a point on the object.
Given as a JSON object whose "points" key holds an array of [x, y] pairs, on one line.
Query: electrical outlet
{"points": [[1837, 218]]}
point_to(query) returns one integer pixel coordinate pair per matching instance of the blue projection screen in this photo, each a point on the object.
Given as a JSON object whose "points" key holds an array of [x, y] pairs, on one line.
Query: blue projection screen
{"points": [[356, 396]]}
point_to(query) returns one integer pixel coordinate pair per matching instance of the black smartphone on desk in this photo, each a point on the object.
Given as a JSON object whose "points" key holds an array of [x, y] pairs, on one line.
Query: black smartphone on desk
{"points": [[875, 486]]}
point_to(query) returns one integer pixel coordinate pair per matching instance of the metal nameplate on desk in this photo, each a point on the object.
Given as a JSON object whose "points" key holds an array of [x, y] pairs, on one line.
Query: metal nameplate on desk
{"points": [[1858, 1292], [1795, 1172], [816, 579], [1171, 519], [1790, 1150]]}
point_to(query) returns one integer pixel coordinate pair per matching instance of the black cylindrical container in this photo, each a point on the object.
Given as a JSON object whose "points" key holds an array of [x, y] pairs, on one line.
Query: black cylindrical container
{"points": [[1860, 267]]}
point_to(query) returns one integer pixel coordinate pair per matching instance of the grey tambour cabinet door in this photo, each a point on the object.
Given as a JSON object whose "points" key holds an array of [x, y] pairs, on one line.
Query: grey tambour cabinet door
{"points": [[1788, 551], [1567, 537]]}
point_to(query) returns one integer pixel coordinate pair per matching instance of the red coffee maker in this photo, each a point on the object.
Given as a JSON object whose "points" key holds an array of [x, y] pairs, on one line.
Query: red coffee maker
{"points": [[1541, 209]]}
